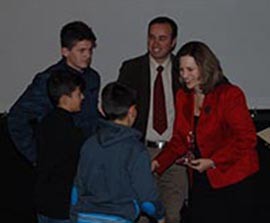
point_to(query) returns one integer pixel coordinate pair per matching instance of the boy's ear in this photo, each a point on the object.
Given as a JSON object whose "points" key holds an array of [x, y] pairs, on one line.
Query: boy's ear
{"points": [[64, 51], [132, 115], [63, 100], [132, 111]]}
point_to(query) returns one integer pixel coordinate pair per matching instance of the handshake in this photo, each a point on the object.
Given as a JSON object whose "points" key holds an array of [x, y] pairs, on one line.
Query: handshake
{"points": [[183, 160], [187, 158], [199, 164]]}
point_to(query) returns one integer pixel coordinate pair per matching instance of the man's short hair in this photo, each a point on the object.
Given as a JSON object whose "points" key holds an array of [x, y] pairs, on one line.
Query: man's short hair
{"points": [[76, 31], [116, 99], [63, 82], [164, 20]]}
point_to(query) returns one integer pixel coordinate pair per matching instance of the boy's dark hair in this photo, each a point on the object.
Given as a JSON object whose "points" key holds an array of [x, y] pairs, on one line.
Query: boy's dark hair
{"points": [[63, 82], [116, 99], [76, 31], [164, 20]]}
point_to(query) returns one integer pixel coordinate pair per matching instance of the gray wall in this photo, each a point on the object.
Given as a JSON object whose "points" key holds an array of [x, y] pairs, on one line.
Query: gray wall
{"points": [[237, 31]]}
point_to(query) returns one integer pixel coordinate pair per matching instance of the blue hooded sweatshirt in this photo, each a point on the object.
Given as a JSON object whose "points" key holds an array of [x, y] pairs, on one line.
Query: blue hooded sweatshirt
{"points": [[114, 175]]}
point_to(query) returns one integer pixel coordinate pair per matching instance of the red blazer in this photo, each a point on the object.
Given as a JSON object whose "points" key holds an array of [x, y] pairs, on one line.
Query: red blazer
{"points": [[225, 133]]}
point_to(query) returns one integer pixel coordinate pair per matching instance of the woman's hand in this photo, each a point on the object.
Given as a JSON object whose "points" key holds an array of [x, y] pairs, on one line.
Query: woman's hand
{"points": [[201, 164], [154, 165]]}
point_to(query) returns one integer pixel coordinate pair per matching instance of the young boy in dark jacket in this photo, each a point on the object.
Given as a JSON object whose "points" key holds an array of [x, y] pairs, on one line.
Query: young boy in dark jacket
{"points": [[59, 142], [114, 181]]}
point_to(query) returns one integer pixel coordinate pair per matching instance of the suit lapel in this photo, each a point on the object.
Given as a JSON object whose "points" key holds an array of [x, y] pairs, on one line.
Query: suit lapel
{"points": [[146, 82]]}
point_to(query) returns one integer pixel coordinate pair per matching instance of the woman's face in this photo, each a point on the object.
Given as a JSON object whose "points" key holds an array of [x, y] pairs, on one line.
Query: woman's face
{"points": [[190, 72]]}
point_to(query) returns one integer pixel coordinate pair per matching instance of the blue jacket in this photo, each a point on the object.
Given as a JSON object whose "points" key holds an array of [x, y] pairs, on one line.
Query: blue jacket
{"points": [[34, 104], [114, 175]]}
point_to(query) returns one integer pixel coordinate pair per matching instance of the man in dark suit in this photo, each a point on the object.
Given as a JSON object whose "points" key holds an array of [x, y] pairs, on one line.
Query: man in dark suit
{"points": [[141, 74]]}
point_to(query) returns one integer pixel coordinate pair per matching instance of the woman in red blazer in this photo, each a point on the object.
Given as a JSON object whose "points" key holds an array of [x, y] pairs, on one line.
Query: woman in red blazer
{"points": [[216, 138]]}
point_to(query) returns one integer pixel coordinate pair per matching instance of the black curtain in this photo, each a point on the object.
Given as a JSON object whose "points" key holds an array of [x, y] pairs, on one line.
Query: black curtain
{"points": [[17, 181]]}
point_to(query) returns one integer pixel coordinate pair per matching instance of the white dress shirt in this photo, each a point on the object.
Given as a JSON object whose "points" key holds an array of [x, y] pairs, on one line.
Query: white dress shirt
{"points": [[151, 134]]}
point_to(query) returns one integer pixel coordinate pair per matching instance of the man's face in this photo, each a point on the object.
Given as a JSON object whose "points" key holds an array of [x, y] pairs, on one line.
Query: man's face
{"points": [[160, 42], [80, 55]]}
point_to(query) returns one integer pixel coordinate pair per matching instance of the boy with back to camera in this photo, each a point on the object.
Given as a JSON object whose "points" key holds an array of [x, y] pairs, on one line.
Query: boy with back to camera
{"points": [[58, 144], [114, 181]]}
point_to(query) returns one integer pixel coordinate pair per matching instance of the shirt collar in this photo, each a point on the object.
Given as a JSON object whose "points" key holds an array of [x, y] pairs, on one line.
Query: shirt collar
{"points": [[155, 64]]}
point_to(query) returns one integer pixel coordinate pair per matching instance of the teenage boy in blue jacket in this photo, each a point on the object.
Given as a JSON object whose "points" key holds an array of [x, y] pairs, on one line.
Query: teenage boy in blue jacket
{"points": [[77, 45], [114, 181]]}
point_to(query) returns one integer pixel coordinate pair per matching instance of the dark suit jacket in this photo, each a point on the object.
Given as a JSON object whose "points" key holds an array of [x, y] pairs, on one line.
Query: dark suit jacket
{"points": [[136, 74]]}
